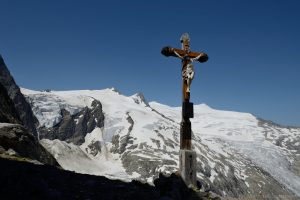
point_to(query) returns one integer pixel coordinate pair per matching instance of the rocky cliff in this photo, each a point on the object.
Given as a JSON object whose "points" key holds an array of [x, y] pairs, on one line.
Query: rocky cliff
{"points": [[22, 107], [16, 131], [8, 113]]}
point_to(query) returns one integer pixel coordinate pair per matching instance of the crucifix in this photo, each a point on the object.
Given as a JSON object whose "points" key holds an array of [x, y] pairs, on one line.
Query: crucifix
{"points": [[187, 159]]}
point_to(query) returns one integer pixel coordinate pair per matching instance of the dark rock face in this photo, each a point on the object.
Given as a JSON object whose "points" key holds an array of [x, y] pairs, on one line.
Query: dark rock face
{"points": [[73, 128], [95, 148], [22, 180], [15, 137], [22, 106], [8, 112]]}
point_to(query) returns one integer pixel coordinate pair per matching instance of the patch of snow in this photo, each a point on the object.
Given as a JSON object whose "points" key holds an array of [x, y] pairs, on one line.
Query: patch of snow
{"points": [[213, 175], [247, 184], [226, 170], [6, 125], [11, 152]]}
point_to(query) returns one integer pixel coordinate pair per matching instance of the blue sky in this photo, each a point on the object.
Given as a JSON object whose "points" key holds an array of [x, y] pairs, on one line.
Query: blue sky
{"points": [[253, 47]]}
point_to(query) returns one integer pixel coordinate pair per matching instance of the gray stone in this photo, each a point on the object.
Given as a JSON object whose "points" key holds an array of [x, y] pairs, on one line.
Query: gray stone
{"points": [[95, 148], [17, 138]]}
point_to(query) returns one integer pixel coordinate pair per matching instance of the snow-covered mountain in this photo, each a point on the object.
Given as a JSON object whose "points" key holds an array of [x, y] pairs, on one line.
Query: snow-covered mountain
{"points": [[103, 132]]}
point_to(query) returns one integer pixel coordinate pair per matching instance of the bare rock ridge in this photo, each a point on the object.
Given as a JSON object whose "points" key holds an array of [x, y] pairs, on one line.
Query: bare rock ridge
{"points": [[17, 140], [22, 106]]}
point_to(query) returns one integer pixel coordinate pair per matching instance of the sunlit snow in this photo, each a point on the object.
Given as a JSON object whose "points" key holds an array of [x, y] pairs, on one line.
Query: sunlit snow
{"points": [[222, 132]]}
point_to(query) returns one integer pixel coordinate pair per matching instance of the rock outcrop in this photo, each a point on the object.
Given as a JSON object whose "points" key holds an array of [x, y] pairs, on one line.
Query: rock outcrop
{"points": [[16, 124], [16, 141], [21, 105], [8, 113]]}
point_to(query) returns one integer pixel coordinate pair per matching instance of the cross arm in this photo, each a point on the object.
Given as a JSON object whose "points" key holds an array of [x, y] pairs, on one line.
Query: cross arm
{"points": [[169, 51]]}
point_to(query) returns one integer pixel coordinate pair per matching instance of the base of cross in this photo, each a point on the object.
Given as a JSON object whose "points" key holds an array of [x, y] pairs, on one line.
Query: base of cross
{"points": [[187, 166], [187, 157]]}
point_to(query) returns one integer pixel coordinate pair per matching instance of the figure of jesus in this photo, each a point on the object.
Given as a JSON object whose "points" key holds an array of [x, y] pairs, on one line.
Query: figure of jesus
{"points": [[188, 75], [188, 70]]}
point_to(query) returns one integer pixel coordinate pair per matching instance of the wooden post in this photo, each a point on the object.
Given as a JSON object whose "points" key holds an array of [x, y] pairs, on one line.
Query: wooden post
{"points": [[187, 157]]}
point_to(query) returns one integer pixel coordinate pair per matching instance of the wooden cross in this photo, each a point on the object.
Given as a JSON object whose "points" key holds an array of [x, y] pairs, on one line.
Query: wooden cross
{"points": [[187, 157], [187, 57]]}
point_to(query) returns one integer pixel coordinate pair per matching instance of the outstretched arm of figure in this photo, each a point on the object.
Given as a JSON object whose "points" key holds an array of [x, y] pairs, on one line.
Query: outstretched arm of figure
{"points": [[177, 54], [196, 58]]}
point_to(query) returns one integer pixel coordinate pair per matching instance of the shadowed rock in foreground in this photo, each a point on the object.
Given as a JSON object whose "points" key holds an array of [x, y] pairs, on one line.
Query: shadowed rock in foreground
{"points": [[17, 141], [23, 180]]}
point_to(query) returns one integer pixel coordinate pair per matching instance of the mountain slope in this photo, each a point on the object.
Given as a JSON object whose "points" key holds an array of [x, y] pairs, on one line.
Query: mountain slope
{"points": [[236, 152]]}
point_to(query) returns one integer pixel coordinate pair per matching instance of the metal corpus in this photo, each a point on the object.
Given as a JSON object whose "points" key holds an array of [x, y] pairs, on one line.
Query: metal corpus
{"points": [[187, 57]]}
